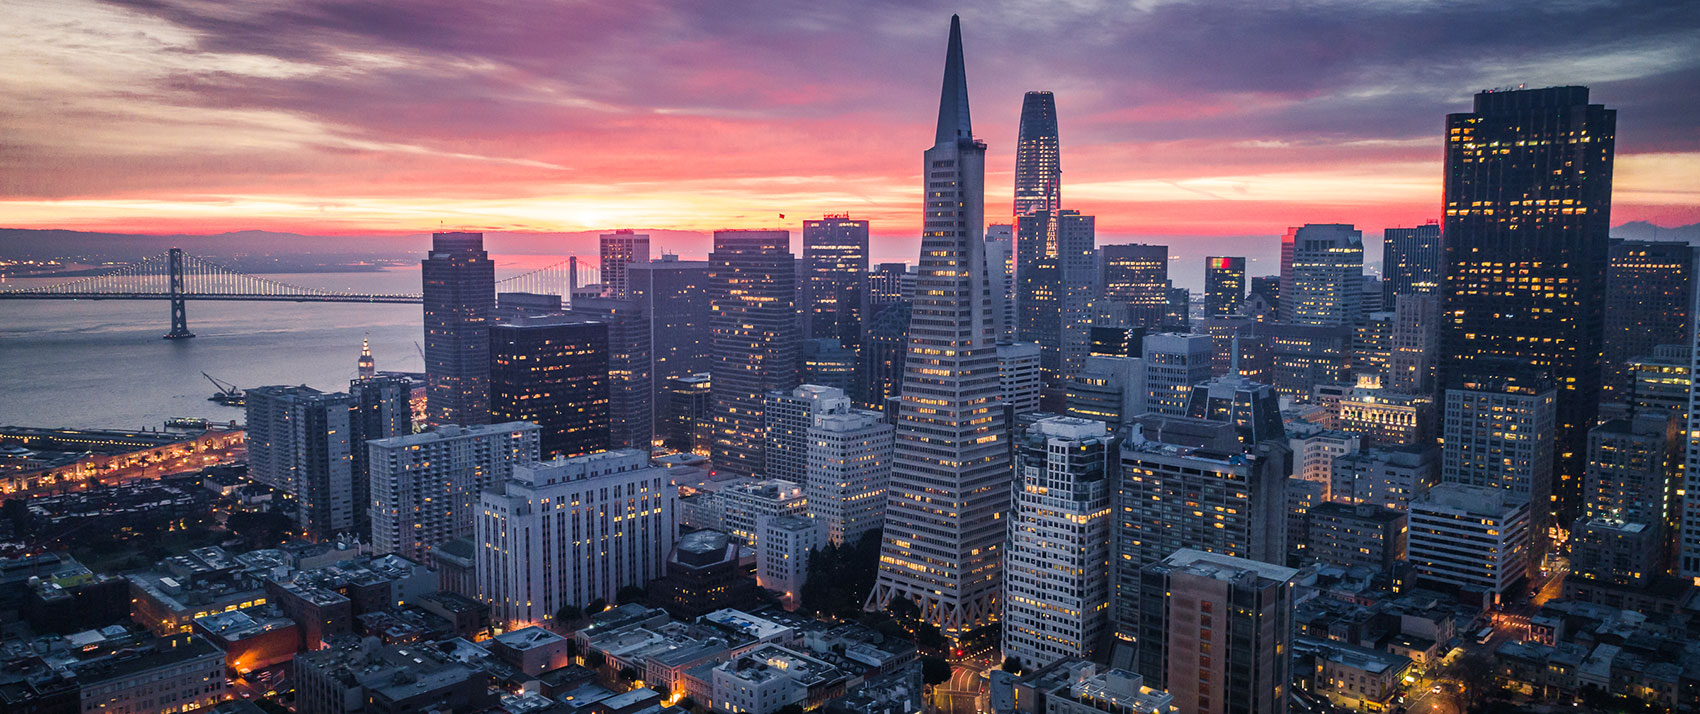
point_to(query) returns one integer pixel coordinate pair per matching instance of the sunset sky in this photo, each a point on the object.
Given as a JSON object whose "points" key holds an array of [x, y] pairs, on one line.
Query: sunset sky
{"points": [[1177, 118]]}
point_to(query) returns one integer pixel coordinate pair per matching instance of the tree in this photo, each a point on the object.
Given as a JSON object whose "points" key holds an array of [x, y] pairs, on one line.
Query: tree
{"points": [[934, 671], [687, 704], [630, 594], [568, 615], [594, 659], [628, 674], [1012, 664], [595, 606]]}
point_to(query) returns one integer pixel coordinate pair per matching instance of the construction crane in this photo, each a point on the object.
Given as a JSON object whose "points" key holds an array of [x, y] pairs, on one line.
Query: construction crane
{"points": [[227, 394]]}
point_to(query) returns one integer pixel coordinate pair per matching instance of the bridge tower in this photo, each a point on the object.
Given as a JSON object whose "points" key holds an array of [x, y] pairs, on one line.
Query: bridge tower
{"points": [[179, 316]]}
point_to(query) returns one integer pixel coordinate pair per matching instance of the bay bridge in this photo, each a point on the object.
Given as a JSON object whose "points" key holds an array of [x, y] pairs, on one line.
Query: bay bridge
{"points": [[178, 277]]}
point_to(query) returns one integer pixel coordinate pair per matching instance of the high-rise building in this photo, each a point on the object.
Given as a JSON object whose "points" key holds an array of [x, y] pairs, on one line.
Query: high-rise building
{"points": [[379, 408], [834, 289], [552, 371], [1688, 535], [884, 354], [1372, 344], [1110, 390], [1357, 535], [1224, 285], [827, 363], [1383, 417], [1410, 360], [1385, 477], [1662, 381], [619, 250], [1000, 265], [1056, 599], [1056, 271], [1473, 536], [1216, 632], [1268, 288], [849, 470], [1174, 364], [1253, 409], [752, 283], [744, 505], [1177, 309], [1633, 469], [1020, 380], [1196, 486], [425, 486], [672, 295], [1649, 287], [569, 531], [687, 410], [789, 415], [943, 542], [1137, 275], [459, 288], [631, 424], [1498, 434], [1038, 158], [885, 285], [299, 442], [1528, 194], [1322, 273], [1411, 261]]}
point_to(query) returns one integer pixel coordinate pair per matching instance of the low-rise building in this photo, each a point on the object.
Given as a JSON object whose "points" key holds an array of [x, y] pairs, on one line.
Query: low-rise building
{"points": [[1471, 536], [770, 677], [178, 672], [1361, 534], [1114, 691], [533, 650]]}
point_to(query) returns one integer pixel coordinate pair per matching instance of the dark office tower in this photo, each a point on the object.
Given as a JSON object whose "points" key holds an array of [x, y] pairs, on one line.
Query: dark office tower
{"points": [[620, 249], [1056, 286], [1224, 286], [686, 414], [1528, 209], [552, 371], [885, 285], [835, 266], [829, 364], [1000, 262], [631, 392], [1649, 286], [1410, 262], [942, 547], [753, 285], [1038, 160], [673, 295], [379, 408], [1137, 275], [1267, 287], [1177, 308], [300, 445], [460, 292], [884, 354], [1322, 274]]}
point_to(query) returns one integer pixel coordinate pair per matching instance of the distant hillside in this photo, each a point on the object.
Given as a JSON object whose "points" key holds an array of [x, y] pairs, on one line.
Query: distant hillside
{"points": [[1642, 230]]}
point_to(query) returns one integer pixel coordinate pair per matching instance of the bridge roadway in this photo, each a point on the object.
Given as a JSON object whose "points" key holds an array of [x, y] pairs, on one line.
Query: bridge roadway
{"points": [[240, 297]]}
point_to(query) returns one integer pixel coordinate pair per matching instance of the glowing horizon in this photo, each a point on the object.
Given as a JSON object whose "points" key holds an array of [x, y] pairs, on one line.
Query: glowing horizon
{"points": [[202, 117]]}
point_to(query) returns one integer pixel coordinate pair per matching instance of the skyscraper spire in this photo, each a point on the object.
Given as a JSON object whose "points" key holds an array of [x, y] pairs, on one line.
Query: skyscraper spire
{"points": [[953, 98]]}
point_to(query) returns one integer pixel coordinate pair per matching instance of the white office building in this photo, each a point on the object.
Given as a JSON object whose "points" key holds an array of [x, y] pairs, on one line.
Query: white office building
{"points": [[790, 415], [849, 469], [425, 486], [782, 558], [1315, 450], [570, 531], [1470, 536], [1056, 598]]}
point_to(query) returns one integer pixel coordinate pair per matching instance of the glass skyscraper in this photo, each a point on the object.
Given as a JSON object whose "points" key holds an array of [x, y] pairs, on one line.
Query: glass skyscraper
{"points": [[835, 266], [460, 292], [1527, 217], [1038, 160]]}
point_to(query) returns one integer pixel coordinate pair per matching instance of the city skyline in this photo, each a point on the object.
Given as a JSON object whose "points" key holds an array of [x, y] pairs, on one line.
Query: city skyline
{"points": [[330, 132]]}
